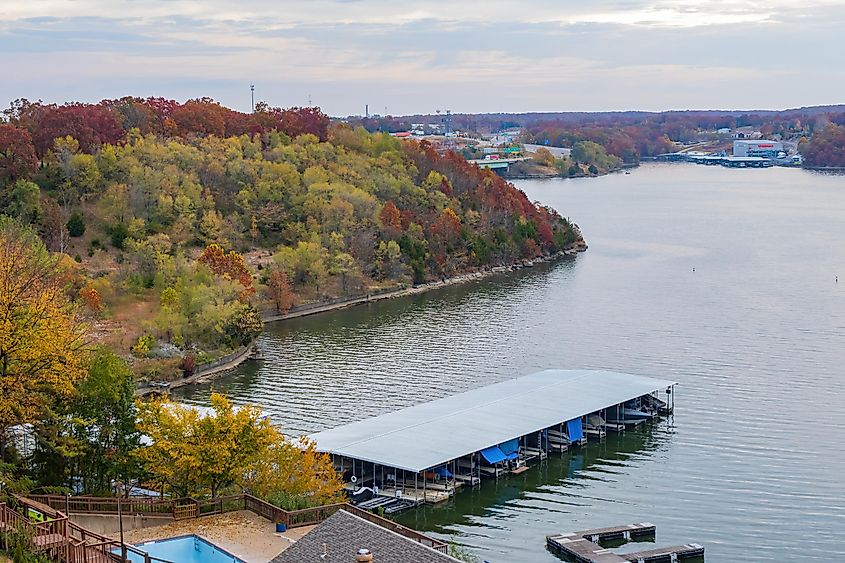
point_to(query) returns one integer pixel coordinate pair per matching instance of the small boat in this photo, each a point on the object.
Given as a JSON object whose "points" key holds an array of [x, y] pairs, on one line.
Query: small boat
{"points": [[362, 495], [628, 415], [596, 426]]}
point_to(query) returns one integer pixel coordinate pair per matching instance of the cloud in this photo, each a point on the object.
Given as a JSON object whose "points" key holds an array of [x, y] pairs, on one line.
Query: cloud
{"points": [[417, 57]]}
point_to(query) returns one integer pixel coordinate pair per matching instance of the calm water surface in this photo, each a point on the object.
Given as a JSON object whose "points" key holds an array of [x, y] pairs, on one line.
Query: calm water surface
{"points": [[723, 280]]}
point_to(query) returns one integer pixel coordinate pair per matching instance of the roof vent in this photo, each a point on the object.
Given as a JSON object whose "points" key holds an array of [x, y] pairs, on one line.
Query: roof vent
{"points": [[363, 556]]}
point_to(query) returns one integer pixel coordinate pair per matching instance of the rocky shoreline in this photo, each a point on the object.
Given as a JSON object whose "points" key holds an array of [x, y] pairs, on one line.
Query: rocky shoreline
{"points": [[211, 371]]}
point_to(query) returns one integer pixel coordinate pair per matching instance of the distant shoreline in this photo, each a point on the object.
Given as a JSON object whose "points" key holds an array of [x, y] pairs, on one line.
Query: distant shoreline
{"points": [[825, 168]]}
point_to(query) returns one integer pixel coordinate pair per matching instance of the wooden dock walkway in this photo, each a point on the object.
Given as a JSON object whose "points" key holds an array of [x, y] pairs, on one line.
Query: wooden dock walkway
{"points": [[581, 550], [624, 532], [583, 546], [661, 554]]}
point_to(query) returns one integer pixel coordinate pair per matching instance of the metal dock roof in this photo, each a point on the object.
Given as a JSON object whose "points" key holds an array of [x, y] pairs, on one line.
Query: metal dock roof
{"points": [[430, 434]]}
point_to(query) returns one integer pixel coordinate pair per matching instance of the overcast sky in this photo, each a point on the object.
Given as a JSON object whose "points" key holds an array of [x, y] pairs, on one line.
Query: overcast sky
{"points": [[405, 57]]}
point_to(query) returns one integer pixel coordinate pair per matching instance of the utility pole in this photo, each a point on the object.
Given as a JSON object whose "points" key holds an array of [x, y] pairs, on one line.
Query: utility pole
{"points": [[252, 96]]}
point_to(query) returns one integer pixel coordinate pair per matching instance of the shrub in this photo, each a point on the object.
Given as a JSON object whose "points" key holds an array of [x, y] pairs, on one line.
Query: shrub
{"points": [[119, 233], [76, 225], [188, 365], [244, 326], [145, 344]]}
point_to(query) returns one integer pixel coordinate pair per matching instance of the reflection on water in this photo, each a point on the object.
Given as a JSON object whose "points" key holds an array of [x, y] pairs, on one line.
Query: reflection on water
{"points": [[723, 280], [555, 485], [386, 355]]}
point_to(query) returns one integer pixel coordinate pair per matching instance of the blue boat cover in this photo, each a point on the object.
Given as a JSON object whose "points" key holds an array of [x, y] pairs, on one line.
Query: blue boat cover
{"points": [[510, 447], [493, 455], [443, 472], [575, 430]]}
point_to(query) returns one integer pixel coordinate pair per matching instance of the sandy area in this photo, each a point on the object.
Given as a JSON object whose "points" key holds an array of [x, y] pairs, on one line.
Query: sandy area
{"points": [[243, 534]]}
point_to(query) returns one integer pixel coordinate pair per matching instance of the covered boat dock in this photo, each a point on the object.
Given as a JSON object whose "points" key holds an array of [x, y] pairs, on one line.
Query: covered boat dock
{"points": [[424, 452]]}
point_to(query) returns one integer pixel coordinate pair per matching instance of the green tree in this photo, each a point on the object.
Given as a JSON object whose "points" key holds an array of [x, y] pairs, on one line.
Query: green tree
{"points": [[22, 200], [76, 225], [104, 416]]}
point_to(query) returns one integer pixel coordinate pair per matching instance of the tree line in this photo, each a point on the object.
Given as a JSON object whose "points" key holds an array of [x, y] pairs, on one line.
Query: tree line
{"points": [[140, 238]]}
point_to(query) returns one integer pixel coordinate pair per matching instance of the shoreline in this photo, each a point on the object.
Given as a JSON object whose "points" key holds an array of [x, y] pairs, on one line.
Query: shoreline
{"points": [[215, 369], [550, 175], [825, 168], [423, 288]]}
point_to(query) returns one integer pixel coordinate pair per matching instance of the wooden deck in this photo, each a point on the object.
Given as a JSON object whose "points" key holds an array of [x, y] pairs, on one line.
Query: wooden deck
{"points": [[583, 546], [624, 532], [581, 550], [666, 553]]}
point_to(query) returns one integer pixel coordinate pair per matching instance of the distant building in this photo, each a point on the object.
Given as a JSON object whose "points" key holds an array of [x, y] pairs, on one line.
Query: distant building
{"points": [[747, 132], [761, 147]]}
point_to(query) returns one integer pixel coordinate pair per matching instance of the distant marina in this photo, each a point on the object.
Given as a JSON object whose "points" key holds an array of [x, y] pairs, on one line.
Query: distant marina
{"points": [[746, 154]]}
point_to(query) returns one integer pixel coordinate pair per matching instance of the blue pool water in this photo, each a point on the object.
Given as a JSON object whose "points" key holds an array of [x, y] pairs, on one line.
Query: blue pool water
{"points": [[185, 549]]}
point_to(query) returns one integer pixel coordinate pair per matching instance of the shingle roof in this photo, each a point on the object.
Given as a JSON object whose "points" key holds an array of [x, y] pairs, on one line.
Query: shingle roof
{"points": [[343, 534]]}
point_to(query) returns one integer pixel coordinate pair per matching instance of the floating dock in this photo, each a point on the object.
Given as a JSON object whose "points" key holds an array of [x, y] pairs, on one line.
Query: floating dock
{"points": [[584, 546], [425, 452]]}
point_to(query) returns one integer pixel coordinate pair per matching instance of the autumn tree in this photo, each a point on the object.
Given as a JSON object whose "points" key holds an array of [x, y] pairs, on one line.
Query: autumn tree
{"points": [[194, 453], [42, 338], [203, 117], [281, 291], [231, 265], [391, 219], [91, 125], [204, 454], [17, 155], [294, 475]]}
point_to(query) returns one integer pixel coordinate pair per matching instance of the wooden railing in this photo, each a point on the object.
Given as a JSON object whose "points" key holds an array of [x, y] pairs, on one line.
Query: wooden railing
{"points": [[58, 537], [108, 505], [311, 516], [265, 509], [189, 507]]}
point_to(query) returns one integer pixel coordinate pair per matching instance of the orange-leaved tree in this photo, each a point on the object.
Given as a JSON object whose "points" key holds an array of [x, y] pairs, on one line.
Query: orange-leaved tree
{"points": [[281, 291], [231, 265]]}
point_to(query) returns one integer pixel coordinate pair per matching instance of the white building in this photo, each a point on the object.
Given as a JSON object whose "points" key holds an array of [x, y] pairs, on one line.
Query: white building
{"points": [[758, 147]]}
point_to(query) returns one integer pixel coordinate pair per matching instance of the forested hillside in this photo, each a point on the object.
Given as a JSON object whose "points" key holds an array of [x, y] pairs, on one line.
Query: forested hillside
{"points": [[183, 222], [826, 148]]}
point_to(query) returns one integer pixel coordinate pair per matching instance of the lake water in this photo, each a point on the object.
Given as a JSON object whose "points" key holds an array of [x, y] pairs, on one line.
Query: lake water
{"points": [[723, 280]]}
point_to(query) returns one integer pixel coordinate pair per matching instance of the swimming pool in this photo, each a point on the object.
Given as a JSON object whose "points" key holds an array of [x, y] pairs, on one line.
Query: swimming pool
{"points": [[184, 549]]}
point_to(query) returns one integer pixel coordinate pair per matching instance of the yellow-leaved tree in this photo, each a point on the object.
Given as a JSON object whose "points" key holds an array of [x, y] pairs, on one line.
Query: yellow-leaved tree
{"points": [[231, 449], [42, 338], [294, 476]]}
